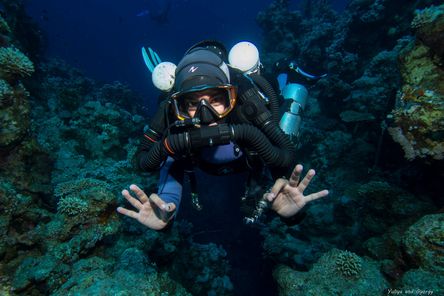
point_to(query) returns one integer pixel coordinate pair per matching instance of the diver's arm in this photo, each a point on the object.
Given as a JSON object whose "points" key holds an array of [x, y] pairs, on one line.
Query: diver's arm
{"points": [[152, 136], [287, 196]]}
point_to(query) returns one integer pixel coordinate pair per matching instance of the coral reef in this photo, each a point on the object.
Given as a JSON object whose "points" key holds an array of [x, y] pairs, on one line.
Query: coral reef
{"points": [[376, 199], [27, 166], [14, 105], [421, 281], [423, 243], [210, 266], [130, 275], [336, 273], [14, 115], [417, 117], [66, 145], [6, 93], [429, 26], [19, 153], [14, 64], [288, 245], [20, 216]]}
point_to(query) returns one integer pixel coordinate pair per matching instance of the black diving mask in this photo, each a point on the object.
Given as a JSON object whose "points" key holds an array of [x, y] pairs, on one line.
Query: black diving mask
{"points": [[208, 103]]}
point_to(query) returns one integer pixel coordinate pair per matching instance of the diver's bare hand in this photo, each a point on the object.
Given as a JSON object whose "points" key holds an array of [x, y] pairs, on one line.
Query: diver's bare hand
{"points": [[152, 211], [287, 196]]}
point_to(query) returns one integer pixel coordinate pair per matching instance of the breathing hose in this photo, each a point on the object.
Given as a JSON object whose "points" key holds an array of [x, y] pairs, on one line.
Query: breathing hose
{"points": [[247, 135]]}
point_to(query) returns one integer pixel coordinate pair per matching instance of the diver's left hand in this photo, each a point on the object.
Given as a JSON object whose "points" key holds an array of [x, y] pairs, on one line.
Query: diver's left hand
{"points": [[287, 196]]}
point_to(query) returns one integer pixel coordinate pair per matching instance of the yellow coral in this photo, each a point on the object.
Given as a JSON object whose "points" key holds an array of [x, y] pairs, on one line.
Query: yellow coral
{"points": [[14, 64], [419, 113]]}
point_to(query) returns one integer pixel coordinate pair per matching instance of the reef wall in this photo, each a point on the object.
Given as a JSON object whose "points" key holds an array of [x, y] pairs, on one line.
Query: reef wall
{"points": [[373, 128]]}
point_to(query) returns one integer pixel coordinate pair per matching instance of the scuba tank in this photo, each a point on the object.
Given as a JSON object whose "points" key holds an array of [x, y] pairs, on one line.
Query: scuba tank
{"points": [[295, 94]]}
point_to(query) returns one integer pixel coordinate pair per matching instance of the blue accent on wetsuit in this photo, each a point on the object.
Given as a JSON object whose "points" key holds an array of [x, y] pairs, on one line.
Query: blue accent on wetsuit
{"points": [[170, 180]]}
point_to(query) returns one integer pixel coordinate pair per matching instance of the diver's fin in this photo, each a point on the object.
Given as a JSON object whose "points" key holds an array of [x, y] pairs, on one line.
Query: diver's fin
{"points": [[151, 58], [146, 59], [309, 76], [154, 56]]}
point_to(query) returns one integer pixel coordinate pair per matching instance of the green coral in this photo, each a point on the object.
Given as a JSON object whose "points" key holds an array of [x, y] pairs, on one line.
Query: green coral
{"points": [[72, 206], [84, 199], [14, 64], [348, 263]]}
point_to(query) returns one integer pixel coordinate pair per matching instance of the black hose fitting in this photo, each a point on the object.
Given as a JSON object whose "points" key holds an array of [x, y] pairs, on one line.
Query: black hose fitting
{"points": [[210, 136]]}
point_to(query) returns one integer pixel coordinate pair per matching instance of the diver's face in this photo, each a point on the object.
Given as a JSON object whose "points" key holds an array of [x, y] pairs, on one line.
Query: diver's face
{"points": [[216, 99]]}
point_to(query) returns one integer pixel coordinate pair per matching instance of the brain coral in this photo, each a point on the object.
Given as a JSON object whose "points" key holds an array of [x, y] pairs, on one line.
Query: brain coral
{"points": [[348, 263]]}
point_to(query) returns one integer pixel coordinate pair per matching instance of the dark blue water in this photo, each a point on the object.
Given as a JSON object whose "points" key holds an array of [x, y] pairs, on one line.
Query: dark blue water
{"points": [[103, 38]]}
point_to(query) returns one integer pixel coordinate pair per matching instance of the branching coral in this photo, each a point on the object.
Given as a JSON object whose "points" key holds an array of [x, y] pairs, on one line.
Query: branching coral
{"points": [[84, 199], [14, 64], [72, 206]]}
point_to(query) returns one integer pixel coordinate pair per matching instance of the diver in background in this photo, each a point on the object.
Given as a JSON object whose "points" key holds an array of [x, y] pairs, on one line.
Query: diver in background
{"points": [[293, 82], [288, 71], [216, 121]]}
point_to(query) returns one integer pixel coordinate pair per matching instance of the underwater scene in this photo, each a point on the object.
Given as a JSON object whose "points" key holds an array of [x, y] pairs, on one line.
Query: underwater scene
{"points": [[192, 147]]}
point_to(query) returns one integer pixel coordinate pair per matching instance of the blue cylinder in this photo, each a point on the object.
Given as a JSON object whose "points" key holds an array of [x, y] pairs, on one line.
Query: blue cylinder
{"points": [[291, 120]]}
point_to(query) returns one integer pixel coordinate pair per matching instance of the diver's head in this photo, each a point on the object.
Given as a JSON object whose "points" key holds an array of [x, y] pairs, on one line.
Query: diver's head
{"points": [[202, 87]]}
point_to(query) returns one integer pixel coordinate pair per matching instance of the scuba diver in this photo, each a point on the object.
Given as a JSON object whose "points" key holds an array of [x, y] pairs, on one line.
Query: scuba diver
{"points": [[219, 117]]}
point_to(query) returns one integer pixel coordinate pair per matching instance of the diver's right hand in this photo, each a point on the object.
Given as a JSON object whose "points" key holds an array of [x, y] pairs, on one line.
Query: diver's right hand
{"points": [[152, 212]]}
